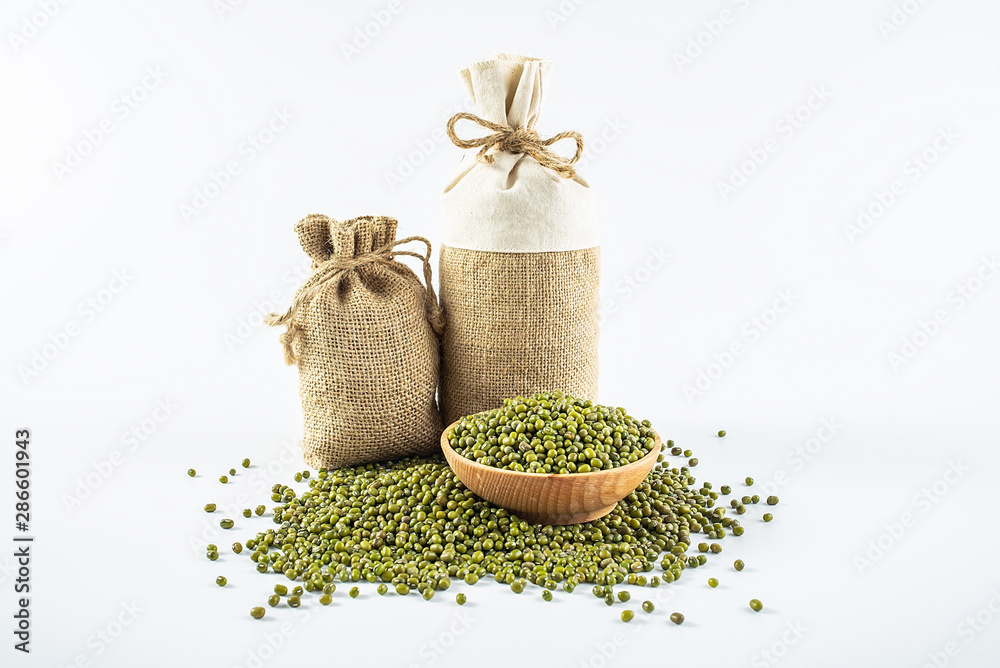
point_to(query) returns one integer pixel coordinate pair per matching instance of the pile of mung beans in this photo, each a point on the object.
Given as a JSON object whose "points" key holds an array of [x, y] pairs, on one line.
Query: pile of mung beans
{"points": [[412, 526], [552, 433]]}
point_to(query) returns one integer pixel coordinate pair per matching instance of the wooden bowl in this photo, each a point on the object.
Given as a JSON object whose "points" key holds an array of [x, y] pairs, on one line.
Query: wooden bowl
{"points": [[551, 498]]}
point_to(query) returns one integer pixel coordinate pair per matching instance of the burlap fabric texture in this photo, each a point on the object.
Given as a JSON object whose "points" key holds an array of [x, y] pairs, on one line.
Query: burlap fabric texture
{"points": [[364, 332], [518, 323]]}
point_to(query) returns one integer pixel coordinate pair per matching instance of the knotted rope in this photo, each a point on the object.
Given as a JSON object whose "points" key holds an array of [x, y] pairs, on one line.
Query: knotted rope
{"points": [[333, 269], [517, 140]]}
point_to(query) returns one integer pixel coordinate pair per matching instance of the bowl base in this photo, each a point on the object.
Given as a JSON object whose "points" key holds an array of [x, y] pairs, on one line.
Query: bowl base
{"points": [[570, 518]]}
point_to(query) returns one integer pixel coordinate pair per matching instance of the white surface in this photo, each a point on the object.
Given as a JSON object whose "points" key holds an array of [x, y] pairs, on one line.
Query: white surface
{"points": [[684, 274]]}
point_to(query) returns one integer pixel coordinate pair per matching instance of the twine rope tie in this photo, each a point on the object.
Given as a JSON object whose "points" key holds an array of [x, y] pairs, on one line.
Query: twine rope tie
{"points": [[517, 140], [332, 270]]}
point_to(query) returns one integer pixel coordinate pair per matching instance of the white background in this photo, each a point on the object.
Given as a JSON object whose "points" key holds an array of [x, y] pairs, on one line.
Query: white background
{"points": [[182, 326]]}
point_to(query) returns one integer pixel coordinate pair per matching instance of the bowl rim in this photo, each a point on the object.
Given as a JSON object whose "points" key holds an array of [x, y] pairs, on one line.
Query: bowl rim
{"points": [[618, 470]]}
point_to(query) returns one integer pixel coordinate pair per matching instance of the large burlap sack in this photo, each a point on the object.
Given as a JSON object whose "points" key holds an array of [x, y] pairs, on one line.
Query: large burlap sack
{"points": [[364, 333], [520, 260]]}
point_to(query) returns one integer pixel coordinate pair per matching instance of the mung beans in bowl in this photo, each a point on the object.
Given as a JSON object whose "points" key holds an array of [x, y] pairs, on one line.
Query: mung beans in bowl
{"points": [[551, 458]]}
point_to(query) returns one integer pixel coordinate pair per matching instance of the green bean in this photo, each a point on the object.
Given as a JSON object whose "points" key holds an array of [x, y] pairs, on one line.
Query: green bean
{"points": [[627, 615], [713, 583], [210, 507], [245, 463], [460, 598], [257, 612], [221, 581], [677, 618], [273, 600], [648, 606], [768, 517], [722, 433], [738, 564], [226, 524], [772, 500], [192, 472], [552, 433], [756, 605]]}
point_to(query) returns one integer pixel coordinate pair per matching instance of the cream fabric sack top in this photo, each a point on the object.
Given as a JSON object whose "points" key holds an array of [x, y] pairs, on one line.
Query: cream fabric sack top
{"points": [[514, 205]]}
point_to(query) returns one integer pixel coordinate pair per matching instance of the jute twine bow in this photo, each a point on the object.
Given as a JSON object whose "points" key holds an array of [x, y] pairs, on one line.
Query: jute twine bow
{"points": [[517, 140], [332, 269]]}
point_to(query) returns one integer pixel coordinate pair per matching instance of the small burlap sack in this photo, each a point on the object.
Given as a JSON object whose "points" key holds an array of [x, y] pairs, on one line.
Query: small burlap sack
{"points": [[520, 262], [364, 332]]}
